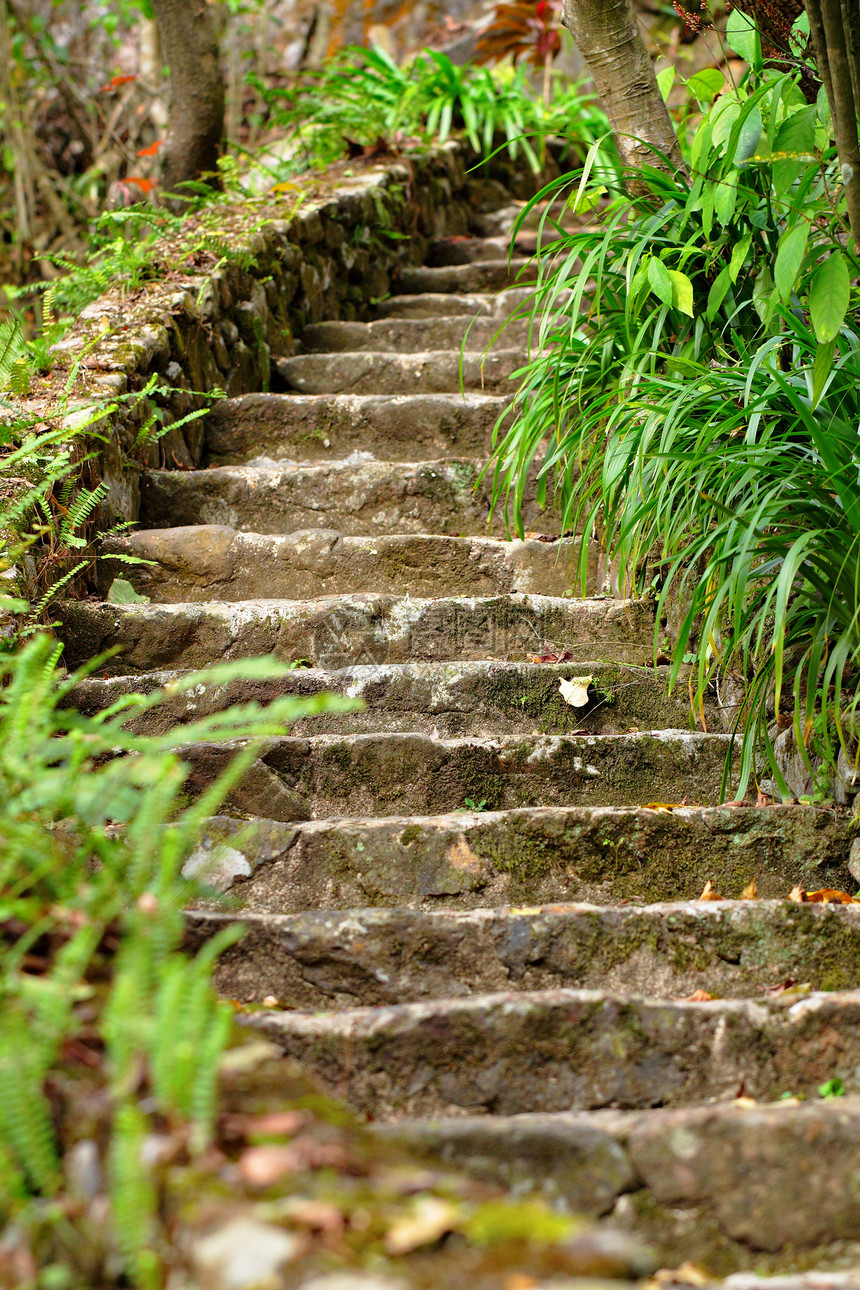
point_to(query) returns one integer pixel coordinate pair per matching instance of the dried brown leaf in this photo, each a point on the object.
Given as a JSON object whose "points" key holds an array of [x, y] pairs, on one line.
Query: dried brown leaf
{"points": [[708, 892], [700, 996], [750, 891]]}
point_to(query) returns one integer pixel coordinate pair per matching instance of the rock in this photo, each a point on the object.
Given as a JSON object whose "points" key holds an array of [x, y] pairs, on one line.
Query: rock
{"points": [[244, 1255], [353, 1281]]}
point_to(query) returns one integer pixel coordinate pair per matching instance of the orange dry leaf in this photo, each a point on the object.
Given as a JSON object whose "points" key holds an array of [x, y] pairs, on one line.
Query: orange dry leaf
{"points": [[151, 150], [824, 896], [709, 893], [114, 84], [145, 185], [750, 891], [700, 996]]}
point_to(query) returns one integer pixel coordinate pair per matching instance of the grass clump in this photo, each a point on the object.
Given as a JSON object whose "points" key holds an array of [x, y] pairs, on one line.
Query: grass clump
{"points": [[694, 401]]}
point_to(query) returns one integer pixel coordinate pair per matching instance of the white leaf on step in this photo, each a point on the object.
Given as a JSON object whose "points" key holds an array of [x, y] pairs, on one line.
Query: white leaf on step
{"points": [[575, 690]]}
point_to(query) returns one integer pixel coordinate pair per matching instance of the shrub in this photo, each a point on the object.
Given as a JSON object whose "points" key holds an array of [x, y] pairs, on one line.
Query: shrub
{"points": [[693, 399]]}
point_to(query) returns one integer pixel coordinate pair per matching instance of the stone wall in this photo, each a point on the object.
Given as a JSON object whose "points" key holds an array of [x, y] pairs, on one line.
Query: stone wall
{"points": [[218, 318]]}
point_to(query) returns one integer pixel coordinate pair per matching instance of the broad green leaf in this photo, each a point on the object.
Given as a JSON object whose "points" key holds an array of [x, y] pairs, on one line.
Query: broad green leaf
{"points": [[828, 297], [701, 146], [707, 84], [725, 199], [796, 135], [763, 294], [661, 282], [748, 138], [717, 293], [722, 119], [708, 199], [740, 251], [742, 36], [682, 291], [789, 259], [121, 592], [821, 369], [665, 81]]}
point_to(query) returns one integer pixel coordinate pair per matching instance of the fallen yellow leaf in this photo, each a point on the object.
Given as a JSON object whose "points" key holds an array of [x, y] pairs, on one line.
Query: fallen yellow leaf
{"points": [[708, 893], [750, 891], [428, 1221], [575, 690]]}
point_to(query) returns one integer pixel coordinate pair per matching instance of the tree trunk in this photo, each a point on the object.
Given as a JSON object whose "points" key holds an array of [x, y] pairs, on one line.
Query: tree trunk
{"points": [[607, 35], [196, 114], [833, 28]]}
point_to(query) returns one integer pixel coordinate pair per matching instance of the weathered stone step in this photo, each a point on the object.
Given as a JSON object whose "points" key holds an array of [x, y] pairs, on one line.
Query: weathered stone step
{"points": [[483, 275], [451, 699], [212, 562], [415, 335], [435, 303], [319, 960], [443, 371], [469, 250], [402, 427], [530, 857], [354, 497], [559, 1050], [338, 631], [718, 1186], [415, 774]]}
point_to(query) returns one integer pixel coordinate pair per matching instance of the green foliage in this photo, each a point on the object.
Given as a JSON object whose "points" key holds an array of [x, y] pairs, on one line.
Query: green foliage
{"points": [[96, 830], [364, 95], [694, 400]]}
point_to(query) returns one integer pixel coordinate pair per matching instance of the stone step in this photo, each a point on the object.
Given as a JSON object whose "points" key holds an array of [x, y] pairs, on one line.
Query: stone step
{"points": [[415, 335], [339, 631], [356, 496], [320, 960], [401, 427], [717, 1186], [450, 699], [462, 279], [434, 303], [443, 371], [200, 562], [469, 250], [413, 774], [534, 856], [559, 1050]]}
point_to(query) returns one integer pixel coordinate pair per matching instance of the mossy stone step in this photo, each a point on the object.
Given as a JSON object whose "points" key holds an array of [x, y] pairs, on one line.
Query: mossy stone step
{"points": [[338, 631], [481, 275], [558, 1050], [315, 427], [405, 774], [450, 699], [434, 303], [723, 1186], [533, 856], [444, 371], [470, 250], [414, 335], [323, 960], [214, 562], [355, 496]]}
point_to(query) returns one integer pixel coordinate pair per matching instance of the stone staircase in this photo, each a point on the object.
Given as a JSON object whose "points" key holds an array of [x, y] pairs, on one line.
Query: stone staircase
{"points": [[409, 876]]}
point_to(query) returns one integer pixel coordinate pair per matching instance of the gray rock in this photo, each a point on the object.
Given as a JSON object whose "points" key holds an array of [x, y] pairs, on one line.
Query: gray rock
{"points": [[244, 1254]]}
